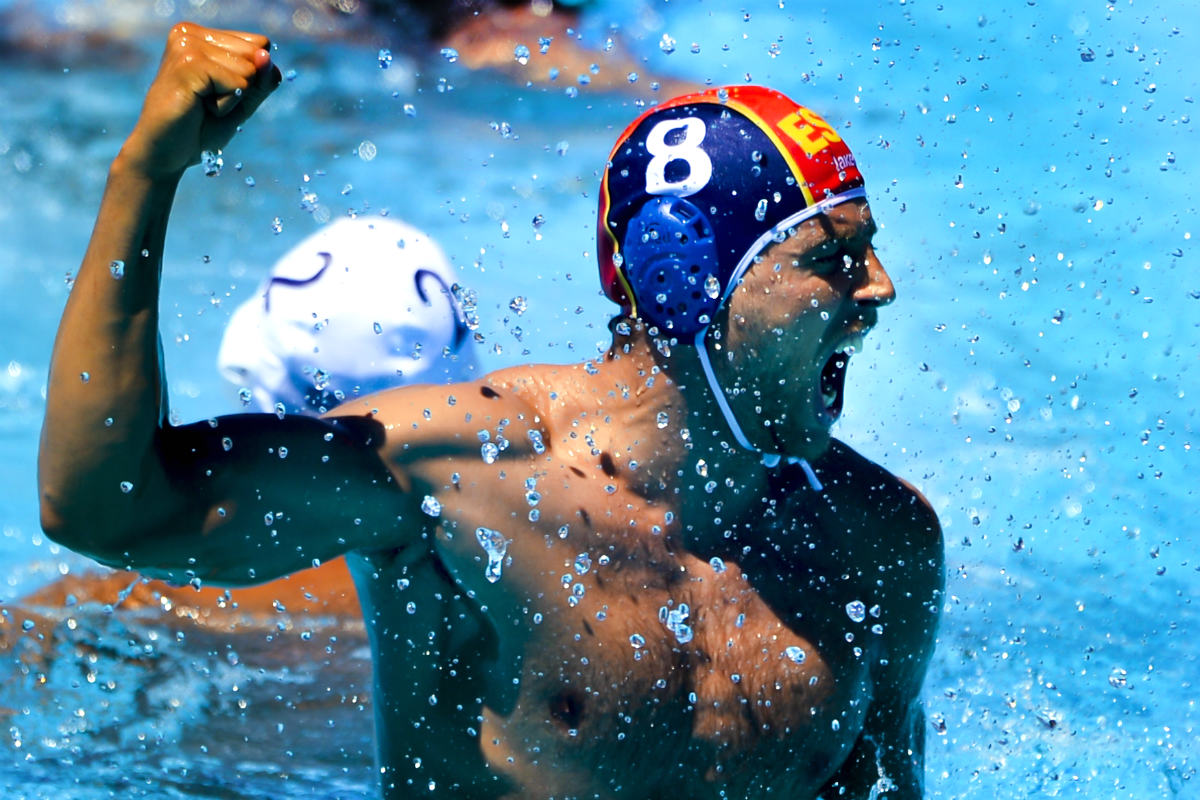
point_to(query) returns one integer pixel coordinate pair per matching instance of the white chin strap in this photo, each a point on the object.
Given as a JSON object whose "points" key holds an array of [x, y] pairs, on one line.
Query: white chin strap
{"points": [[769, 460]]}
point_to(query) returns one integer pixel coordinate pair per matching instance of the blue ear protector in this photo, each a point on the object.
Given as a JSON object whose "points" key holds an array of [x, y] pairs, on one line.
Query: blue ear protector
{"points": [[669, 252]]}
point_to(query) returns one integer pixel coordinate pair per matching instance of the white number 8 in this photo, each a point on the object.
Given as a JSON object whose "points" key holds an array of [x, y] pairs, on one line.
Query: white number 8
{"points": [[686, 149]]}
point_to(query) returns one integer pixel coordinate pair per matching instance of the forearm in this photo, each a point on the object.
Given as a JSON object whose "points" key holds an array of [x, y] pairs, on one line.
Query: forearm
{"points": [[104, 398]]}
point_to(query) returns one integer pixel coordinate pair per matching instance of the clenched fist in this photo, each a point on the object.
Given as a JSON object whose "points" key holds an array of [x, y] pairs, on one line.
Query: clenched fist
{"points": [[209, 82]]}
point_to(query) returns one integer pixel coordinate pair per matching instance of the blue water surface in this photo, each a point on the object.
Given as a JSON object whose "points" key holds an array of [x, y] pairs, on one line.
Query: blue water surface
{"points": [[1032, 166]]}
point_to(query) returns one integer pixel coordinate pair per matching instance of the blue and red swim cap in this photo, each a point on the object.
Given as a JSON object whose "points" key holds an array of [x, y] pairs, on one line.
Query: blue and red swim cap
{"points": [[696, 187]]}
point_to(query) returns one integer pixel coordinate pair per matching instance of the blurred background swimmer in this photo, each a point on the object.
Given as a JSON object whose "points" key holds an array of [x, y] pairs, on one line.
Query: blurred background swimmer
{"points": [[362, 304], [536, 42]]}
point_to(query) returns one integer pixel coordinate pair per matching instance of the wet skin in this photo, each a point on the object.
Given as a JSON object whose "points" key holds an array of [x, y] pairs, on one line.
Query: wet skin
{"points": [[490, 680]]}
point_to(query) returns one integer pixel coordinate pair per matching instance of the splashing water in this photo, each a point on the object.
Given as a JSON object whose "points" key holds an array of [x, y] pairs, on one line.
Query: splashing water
{"points": [[496, 547], [431, 506], [212, 163], [673, 619]]}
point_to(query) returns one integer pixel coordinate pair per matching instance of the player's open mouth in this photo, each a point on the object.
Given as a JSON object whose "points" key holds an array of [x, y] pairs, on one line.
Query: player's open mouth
{"points": [[833, 374]]}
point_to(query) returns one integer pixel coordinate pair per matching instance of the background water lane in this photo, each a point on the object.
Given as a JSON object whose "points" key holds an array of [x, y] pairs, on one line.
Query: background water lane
{"points": [[1033, 170]]}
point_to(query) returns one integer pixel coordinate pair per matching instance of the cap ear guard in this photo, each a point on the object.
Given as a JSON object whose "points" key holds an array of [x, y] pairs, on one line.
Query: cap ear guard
{"points": [[670, 260]]}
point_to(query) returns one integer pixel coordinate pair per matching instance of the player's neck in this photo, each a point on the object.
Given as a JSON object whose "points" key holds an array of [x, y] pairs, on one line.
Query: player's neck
{"points": [[669, 420]]}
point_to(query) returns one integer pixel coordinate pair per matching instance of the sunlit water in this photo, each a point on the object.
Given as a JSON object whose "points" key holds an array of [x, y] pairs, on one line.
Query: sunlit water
{"points": [[1033, 167]]}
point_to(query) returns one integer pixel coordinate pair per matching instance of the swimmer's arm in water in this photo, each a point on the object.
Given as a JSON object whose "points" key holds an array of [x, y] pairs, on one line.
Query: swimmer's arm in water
{"points": [[115, 481], [890, 751]]}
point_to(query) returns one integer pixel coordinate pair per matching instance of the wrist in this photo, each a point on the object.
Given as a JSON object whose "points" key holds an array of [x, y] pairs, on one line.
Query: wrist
{"points": [[131, 166]]}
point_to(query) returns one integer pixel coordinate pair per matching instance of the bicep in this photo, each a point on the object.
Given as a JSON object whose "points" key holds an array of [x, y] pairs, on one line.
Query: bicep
{"points": [[247, 498]]}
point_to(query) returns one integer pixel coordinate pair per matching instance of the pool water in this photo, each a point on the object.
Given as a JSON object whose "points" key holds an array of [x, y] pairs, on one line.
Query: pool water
{"points": [[1032, 167]]}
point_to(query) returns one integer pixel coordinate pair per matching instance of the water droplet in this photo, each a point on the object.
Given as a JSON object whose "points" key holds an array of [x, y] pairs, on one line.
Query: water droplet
{"points": [[674, 620], [718, 566], [544, 44], [521, 54], [450, 54], [489, 452], [269, 518], [702, 468], [535, 439], [126, 487], [385, 58], [117, 269], [795, 654], [411, 608], [856, 610], [583, 563], [532, 498], [563, 531], [712, 287], [666, 44], [431, 506], [226, 444], [518, 305], [637, 641], [496, 547], [760, 210], [662, 420], [212, 162], [1118, 678]]}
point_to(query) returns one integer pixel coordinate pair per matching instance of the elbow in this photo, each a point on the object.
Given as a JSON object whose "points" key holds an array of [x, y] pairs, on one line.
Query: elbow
{"points": [[54, 518], [79, 528]]}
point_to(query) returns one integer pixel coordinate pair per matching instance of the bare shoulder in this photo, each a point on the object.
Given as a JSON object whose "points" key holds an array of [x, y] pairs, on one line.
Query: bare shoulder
{"points": [[874, 491], [903, 541], [436, 421]]}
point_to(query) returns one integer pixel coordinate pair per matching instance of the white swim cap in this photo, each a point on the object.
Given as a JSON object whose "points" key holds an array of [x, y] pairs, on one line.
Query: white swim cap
{"points": [[359, 306]]}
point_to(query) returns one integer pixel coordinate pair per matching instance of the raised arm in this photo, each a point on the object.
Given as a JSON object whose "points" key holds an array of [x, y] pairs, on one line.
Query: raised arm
{"points": [[237, 500]]}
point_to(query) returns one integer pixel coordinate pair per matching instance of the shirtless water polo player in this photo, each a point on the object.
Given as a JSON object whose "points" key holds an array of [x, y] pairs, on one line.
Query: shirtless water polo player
{"points": [[651, 574]]}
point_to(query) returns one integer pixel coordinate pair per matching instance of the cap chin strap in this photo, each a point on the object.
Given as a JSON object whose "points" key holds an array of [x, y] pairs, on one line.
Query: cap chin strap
{"points": [[769, 460]]}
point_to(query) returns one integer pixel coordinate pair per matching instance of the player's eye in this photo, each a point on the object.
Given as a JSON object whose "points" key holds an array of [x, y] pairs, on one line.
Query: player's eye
{"points": [[825, 259]]}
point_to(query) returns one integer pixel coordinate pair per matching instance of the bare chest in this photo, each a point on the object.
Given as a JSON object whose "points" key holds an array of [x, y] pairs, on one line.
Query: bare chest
{"points": [[631, 665], [637, 663]]}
